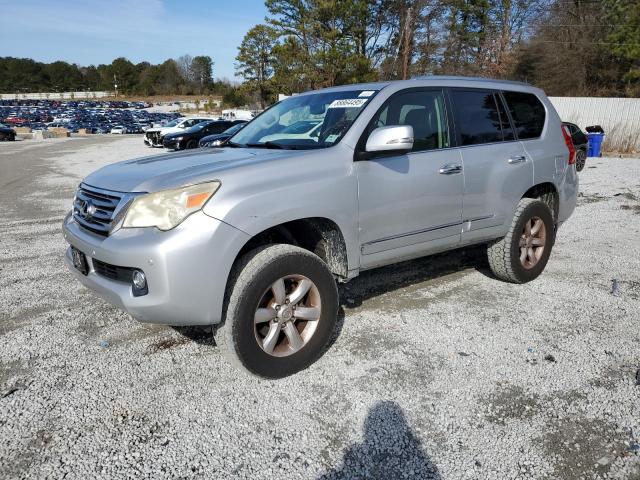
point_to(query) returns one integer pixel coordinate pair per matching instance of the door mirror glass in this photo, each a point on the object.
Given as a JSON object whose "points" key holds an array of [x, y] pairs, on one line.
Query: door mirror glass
{"points": [[391, 138]]}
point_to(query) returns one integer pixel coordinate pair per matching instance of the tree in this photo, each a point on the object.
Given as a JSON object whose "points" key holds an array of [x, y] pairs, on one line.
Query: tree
{"points": [[255, 59], [202, 71], [326, 42], [624, 16]]}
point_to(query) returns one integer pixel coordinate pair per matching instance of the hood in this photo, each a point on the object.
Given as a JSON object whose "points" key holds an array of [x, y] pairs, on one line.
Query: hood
{"points": [[173, 170]]}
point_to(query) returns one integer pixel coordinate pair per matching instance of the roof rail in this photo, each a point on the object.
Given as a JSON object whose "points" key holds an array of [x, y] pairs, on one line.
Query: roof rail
{"points": [[472, 79]]}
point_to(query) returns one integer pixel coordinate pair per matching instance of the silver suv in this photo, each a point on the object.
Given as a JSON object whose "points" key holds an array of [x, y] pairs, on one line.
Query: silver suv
{"points": [[252, 237]]}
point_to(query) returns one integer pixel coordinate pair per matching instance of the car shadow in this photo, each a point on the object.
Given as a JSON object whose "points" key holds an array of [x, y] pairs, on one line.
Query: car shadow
{"points": [[389, 450], [372, 283]]}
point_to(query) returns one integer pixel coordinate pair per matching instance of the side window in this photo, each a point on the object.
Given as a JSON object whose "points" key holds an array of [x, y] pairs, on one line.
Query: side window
{"points": [[425, 111], [219, 127], [477, 117], [527, 112]]}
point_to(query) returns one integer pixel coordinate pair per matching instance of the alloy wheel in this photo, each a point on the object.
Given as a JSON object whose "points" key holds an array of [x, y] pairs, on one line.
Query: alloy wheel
{"points": [[532, 242], [287, 315]]}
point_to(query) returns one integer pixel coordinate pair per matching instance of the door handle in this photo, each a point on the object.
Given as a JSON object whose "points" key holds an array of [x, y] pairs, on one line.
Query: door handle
{"points": [[517, 159], [450, 169]]}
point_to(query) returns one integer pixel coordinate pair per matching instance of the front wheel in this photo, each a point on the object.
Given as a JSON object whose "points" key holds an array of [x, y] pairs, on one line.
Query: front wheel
{"points": [[281, 309], [581, 160], [523, 253]]}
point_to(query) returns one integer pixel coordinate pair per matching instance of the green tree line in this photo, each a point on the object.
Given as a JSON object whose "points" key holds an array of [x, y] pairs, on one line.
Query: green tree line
{"points": [[185, 75], [567, 47]]}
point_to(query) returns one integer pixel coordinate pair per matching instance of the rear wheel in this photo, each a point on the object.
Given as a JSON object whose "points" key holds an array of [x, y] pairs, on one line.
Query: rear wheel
{"points": [[280, 311], [581, 160], [523, 253]]}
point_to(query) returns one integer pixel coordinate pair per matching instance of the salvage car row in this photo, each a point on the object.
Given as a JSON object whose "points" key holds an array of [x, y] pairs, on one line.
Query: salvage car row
{"points": [[94, 117], [192, 132]]}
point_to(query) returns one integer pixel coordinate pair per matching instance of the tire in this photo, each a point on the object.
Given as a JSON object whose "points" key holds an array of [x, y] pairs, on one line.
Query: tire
{"points": [[505, 255], [250, 288], [191, 144], [581, 160]]}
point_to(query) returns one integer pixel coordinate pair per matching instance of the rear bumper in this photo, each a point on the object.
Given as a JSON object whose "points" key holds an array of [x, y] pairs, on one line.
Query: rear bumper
{"points": [[186, 268], [568, 193]]}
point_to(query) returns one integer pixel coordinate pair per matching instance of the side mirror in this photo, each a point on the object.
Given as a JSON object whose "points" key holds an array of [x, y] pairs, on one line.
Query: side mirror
{"points": [[391, 138]]}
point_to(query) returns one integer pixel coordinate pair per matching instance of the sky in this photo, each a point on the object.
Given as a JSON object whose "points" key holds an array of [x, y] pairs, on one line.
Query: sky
{"points": [[91, 32]]}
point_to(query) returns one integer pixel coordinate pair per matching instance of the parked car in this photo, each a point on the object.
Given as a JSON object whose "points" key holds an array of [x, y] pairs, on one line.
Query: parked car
{"points": [[154, 137], [118, 130], [252, 238], [301, 129], [219, 139], [190, 137], [7, 133], [580, 142]]}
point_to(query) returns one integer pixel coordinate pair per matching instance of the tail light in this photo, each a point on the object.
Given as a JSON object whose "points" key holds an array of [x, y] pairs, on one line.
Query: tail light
{"points": [[569, 141]]}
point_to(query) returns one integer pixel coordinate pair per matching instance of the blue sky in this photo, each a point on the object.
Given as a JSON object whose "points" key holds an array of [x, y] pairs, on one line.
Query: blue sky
{"points": [[90, 32]]}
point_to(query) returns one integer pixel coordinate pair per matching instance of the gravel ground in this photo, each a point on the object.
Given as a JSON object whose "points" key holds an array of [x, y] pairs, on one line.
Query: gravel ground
{"points": [[438, 371]]}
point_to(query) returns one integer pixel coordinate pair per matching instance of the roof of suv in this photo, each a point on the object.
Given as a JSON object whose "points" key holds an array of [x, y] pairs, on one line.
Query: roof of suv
{"points": [[427, 79]]}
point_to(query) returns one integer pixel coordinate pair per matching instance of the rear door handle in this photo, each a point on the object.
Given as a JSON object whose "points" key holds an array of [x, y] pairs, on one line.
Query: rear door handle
{"points": [[450, 169], [517, 159]]}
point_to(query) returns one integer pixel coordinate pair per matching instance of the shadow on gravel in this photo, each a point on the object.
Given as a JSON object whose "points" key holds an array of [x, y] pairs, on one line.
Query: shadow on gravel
{"points": [[372, 283], [389, 450], [201, 335]]}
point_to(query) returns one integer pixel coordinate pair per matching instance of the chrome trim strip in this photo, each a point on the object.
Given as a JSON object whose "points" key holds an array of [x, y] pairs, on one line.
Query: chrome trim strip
{"points": [[417, 232]]}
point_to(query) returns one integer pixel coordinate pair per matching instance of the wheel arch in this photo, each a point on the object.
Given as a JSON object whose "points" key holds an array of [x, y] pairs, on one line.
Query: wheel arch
{"points": [[547, 193], [319, 235]]}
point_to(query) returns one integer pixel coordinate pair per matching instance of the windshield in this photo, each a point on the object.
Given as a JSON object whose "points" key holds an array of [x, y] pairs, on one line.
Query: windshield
{"points": [[173, 123], [317, 120]]}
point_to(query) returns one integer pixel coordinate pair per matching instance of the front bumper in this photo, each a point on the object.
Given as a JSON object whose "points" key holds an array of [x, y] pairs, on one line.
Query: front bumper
{"points": [[171, 144], [186, 268]]}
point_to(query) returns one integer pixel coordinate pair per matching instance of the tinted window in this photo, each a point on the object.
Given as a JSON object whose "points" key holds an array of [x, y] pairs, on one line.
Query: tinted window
{"points": [[424, 111], [477, 117], [527, 112]]}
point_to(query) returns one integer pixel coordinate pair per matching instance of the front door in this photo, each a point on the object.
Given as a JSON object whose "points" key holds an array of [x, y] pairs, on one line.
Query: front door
{"points": [[411, 202]]}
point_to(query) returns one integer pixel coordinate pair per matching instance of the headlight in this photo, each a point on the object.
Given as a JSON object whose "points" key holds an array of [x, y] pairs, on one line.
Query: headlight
{"points": [[168, 209], [177, 139]]}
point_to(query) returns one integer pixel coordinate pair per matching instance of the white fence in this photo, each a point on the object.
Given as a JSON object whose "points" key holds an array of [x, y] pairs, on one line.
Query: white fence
{"points": [[619, 117], [56, 95]]}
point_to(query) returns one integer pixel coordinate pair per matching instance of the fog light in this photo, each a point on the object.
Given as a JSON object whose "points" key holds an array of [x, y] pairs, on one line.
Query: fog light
{"points": [[139, 280]]}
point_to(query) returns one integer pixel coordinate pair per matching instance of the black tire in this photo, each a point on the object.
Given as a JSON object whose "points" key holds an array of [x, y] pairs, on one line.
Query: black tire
{"points": [[504, 254], [581, 160], [250, 278], [191, 144]]}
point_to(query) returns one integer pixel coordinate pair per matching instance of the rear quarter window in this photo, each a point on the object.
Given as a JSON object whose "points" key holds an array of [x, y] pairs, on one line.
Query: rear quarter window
{"points": [[527, 112]]}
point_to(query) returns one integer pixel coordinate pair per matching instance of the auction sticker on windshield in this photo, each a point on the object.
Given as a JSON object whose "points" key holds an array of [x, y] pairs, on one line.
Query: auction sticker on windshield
{"points": [[348, 103]]}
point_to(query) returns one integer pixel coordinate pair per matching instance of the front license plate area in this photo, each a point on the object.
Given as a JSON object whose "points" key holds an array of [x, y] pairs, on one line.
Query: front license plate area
{"points": [[79, 261]]}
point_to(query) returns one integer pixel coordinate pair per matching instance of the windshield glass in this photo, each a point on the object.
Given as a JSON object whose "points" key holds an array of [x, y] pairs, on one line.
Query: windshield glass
{"points": [[173, 123], [317, 120]]}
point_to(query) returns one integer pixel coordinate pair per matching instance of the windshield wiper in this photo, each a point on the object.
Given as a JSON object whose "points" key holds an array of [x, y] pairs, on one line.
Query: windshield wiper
{"points": [[232, 144], [268, 144]]}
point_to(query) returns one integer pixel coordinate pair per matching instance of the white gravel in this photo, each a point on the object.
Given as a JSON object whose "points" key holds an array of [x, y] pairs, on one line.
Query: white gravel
{"points": [[438, 371]]}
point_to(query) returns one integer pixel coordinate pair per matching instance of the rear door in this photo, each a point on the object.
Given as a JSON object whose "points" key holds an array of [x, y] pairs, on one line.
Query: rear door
{"points": [[497, 170], [411, 202]]}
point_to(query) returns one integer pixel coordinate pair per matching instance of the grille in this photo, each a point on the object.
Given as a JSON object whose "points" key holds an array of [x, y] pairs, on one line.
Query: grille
{"points": [[154, 138], [94, 209], [120, 274]]}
